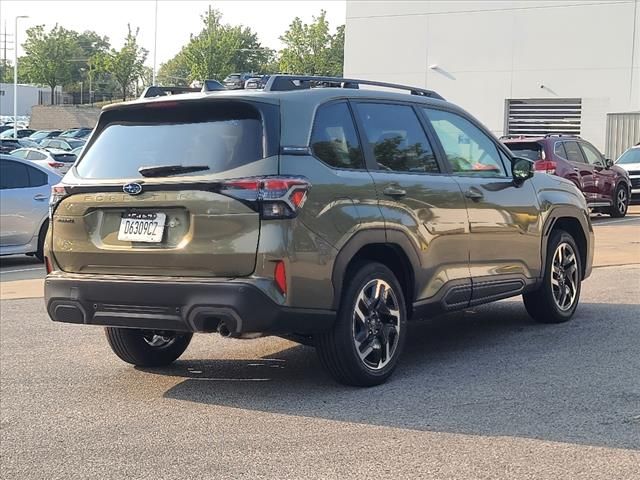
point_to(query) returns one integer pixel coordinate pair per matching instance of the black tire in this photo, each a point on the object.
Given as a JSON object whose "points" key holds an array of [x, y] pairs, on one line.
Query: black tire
{"points": [[130, 345], [41, 238], [337, 348], [541, 303], [620, 202]]}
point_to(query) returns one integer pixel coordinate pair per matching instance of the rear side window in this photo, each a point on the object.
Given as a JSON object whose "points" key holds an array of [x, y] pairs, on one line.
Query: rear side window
{"points": [[573, 152], [334, 139], [36, 177], [559, 150], [33, 155], [220, 135], [13, 175], [397, 138], [530, 150]]}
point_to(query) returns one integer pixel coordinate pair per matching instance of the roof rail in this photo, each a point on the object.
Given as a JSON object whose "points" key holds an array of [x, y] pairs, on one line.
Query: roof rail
{"points": [[157, 91], [285, 83], [561, 135]]}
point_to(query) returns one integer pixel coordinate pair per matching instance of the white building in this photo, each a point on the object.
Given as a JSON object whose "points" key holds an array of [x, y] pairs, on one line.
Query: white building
{"points": [[518, 66], [28, 96]]}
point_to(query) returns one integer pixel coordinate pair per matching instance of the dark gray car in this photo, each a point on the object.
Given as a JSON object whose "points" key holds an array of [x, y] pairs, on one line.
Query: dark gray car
{"points": [[310, 209]]}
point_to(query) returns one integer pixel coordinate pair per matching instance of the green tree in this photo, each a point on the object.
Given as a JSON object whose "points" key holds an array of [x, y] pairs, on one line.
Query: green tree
{"points": [[217, 50], [126, 65], [175, 71], [311, 49], [91, 46], [47, 56]]}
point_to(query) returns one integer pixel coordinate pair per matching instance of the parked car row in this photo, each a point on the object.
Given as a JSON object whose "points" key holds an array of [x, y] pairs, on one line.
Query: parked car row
{"points": [[606, 186]]}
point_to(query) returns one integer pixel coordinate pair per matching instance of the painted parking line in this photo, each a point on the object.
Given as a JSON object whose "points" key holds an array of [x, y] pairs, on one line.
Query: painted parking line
{"points": [[2, 272], [609, 222]]}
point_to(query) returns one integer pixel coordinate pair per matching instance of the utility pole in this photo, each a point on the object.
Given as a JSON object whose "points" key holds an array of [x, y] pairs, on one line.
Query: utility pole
{"points": [[15, 78]]}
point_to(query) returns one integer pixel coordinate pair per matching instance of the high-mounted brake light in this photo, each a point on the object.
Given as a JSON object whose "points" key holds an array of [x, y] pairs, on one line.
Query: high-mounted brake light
{"points": [[272, 197]]}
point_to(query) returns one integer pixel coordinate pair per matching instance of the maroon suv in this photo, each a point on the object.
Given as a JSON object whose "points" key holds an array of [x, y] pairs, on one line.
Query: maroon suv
{"points": [[605, 186]]}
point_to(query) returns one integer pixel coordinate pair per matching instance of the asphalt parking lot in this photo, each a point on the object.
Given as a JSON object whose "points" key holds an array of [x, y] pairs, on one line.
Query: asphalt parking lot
{"points": [[484, 393]]}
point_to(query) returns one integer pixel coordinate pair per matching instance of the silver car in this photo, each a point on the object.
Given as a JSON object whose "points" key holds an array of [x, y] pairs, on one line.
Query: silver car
{"points": [[25, 188], [58, 160]]}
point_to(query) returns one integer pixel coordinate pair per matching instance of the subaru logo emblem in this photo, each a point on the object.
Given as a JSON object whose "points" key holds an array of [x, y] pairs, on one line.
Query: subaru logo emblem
{"points": [[132, 188]]}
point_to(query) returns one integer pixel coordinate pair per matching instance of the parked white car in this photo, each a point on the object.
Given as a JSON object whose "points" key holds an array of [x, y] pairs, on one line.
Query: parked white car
{"points": [[24, 205], [58, 160], [630, 161]]}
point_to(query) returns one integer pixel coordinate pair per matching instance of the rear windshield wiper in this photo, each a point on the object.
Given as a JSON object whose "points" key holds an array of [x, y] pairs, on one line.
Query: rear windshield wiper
{"points": [[168, 170]]}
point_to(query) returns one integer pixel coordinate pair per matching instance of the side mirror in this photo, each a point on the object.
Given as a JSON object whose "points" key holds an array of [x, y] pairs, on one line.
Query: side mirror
{"points": [[608, 163], [522, 169]]}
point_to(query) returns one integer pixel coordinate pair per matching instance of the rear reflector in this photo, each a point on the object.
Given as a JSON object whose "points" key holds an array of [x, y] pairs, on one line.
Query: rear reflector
{"points": [[47, 265], [280, 275]]}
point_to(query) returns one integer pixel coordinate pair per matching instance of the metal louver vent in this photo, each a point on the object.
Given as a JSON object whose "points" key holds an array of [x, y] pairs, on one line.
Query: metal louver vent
{"points": [[534, 117]]}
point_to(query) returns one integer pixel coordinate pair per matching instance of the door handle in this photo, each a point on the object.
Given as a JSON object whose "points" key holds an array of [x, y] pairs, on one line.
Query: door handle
{"points": [[40, 197], [474, 194], [394, 192]]}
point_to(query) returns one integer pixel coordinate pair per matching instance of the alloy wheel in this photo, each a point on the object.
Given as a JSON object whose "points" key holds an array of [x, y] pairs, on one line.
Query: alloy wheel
{"points": [[376, 324], [159, 341], [564, 276], [621, 201]]}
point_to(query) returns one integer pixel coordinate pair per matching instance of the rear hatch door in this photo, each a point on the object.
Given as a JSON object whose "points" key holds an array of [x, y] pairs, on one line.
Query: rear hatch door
{"points": [[143, 198]]}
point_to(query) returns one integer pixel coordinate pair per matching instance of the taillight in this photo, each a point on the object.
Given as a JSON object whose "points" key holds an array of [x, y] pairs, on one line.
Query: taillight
{"points": [[272, 197], [280, 276], [58, 192], [56, 164], [548, 166]]}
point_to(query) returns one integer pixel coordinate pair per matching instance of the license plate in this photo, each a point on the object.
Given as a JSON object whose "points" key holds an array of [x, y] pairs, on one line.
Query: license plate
{"points": [[142, 227]]}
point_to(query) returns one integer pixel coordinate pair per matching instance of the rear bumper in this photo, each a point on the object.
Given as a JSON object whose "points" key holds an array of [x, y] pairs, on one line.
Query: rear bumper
{"points": [[179, 306]]}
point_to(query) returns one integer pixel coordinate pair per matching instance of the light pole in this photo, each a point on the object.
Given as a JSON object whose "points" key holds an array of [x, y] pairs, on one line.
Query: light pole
{"points": [[15, 77], [155, 46]]}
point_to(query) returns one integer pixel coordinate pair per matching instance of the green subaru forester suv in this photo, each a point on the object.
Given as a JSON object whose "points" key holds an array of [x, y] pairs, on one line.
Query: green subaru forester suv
{"points": [[312, 209]]}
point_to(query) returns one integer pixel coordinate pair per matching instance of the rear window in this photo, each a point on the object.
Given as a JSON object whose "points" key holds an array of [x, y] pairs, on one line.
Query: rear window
{"points": [[220, 135], [530, 150], [64, 157]]}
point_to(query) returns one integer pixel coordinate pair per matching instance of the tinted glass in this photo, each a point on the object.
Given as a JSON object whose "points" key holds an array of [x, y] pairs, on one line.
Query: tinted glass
{"points": [[222, 138], [397, 138], [592, 155], [559, 150], [64, 157], [530, 150], [573, 152], [13, 175], [630, 156], [468, 149], [334, 139], [36, 177]]}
